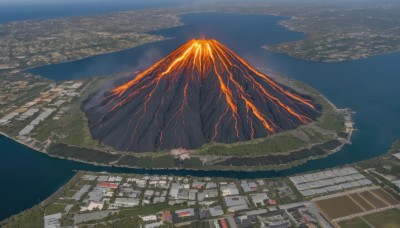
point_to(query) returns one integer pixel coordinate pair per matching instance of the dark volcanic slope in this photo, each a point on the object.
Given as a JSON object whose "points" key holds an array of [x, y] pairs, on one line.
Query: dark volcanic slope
{"points": [[201, 92]]}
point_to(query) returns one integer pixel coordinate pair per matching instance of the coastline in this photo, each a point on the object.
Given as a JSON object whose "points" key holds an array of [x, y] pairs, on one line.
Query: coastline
{"points": [[299, 86], [276, 167], [90, 56]]}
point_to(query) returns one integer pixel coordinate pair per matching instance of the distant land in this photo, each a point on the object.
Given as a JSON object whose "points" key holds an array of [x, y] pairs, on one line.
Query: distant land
{"points": [[333, 33]]}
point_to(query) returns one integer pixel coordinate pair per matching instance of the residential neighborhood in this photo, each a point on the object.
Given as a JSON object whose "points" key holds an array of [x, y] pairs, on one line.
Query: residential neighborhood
{"points": [[91, 199]]}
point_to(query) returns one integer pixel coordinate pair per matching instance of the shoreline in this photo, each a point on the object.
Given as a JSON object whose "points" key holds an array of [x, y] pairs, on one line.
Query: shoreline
{"points": [[184, 11], [89, 56], [277, 167], [244, 168]]}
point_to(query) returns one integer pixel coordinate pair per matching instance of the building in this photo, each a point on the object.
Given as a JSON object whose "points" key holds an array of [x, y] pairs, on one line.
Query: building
{"points": [[107, 185], [216, 211], [77, 196], [259, 198], [198, 184], [166, 216], [126, 202], [97, 194], [147, 218], [272, 202], [52, 221], [220, 223], [206, 194], [248, 186], [93, 205], [234, 200], [185, 213], [229, 190], [211, 185], [238, 208], [397, 155], [154, 225], [183, 194], [236, 203]]}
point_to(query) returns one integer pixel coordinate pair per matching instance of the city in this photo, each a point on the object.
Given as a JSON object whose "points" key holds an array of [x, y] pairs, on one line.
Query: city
{"points": [[328, 198]]}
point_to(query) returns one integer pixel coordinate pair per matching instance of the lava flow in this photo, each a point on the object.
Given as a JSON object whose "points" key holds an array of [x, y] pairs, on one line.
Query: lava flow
{"points": [[201, 92]]}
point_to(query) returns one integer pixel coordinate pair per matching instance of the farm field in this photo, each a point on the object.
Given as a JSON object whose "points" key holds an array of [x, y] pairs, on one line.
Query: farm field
{"points": [[384, 219], [356, 222], [376, 202], [363, 203], [338, 207], [385, 196], [352, 203]]}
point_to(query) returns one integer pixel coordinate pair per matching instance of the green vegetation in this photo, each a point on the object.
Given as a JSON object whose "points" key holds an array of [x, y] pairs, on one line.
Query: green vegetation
{"points": [[379, 163], [72, 128], [54, 208], [272, 144], [331, 121], [156, 162], [324, 129], [74, 125], [27, 219], [384, 219], [70, 137], [354, 223], [192, 163], [122, 222], [150, 209], [44, 131], [16, 126], [83, 154]]}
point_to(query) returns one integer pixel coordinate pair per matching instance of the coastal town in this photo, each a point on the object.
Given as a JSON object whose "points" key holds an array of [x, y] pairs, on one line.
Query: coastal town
{"points": [[27, 44], [334, 32], [347, 35], [38, 103], [338, 197]]}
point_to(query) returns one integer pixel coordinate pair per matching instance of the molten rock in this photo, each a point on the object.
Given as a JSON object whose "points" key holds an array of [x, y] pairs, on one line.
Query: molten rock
{"points": [[202, 92]]}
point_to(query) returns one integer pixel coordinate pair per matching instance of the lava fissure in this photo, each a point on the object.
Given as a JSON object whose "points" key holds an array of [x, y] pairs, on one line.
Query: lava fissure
{"points": [[201, 92]]}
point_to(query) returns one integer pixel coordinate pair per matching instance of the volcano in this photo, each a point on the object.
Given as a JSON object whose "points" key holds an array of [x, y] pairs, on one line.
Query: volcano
{"points": [[201, 92]]}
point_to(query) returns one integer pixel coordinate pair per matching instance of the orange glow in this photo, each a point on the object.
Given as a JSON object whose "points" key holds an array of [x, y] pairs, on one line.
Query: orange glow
{"points": [[199, 58]]}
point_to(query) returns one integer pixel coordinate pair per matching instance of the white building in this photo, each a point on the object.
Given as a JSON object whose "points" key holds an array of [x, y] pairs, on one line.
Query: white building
{"points": [[52, 221], [92, 205], [147, 218], [229, 190], [126, 202]]}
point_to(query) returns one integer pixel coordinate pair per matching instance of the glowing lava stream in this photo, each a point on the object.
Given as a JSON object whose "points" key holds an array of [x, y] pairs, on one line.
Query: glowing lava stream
{"points": [[240, 89]]}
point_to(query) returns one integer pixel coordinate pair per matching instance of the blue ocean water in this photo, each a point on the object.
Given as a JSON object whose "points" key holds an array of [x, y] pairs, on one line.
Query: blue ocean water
{"points": [[37, 10], [367, 86]]}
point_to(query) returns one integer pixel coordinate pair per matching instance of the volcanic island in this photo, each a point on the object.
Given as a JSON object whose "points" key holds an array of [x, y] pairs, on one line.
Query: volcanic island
{"points": [[204, 107]]}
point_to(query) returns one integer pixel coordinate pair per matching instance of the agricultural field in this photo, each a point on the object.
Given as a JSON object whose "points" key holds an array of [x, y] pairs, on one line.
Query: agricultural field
{"points": [[384, 219], [353, 203], [385, 196], [337, 207]]}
